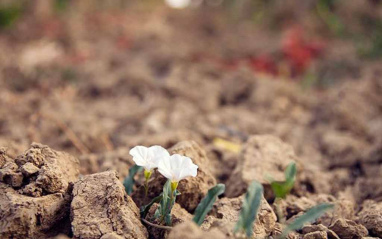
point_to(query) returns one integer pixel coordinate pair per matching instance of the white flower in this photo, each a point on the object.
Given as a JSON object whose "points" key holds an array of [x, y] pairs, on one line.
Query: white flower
{"points": [[177, 167], [148, 157], [178, 3]]}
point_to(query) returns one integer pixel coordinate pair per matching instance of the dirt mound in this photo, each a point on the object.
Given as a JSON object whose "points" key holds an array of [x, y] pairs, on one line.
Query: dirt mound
{"points": [[35, 193], [40, 189], [96, 83]]}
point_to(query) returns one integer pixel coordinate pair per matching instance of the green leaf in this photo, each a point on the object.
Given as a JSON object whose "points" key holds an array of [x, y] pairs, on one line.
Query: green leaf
{"points": [[167, 219], [9, 15], [309, 216], [290, 173], [167, 202], [250, 208], [165, 197], [207, 202], [282, 188], [129, 181], [145, 209]]}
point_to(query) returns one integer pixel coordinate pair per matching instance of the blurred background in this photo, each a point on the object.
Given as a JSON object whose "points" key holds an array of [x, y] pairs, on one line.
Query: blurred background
{"points": [[94, 76]]}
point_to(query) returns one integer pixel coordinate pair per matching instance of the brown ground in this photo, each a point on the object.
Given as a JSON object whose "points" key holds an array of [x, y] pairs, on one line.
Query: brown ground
{"points": [[94, 85]]}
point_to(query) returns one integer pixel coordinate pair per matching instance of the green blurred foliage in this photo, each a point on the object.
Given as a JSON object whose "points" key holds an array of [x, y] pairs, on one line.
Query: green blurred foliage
{"points": [[9, 15]]}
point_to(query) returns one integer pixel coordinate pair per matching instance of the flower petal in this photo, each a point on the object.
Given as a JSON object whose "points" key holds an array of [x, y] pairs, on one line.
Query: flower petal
{"points": [[177, 167], [159, 153], [164, 167], [140, 155], [189, 168]]}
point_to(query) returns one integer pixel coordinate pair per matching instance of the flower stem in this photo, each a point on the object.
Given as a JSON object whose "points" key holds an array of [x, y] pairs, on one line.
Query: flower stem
{"points": [[279, 211], [147, 174], [155, 225]]}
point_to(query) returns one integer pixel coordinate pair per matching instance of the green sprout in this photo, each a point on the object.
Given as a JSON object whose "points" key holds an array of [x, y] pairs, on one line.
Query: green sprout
{"points": [[282, 188], [207, 202], [250, 209]]}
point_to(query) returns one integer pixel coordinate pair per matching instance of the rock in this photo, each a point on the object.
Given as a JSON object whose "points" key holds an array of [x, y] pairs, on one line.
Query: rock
{"points": [[348, 229], [343, 208], [371, 217], [16, 180], [225, 214], [32, 189], [368, 185], [29, 169], [342, 149], [32, 211], [10, 175], [262, 154], [30, 217], [316, 235], [54, 170], [189, 230], [100, 206], [192, 189], [315, 228]]}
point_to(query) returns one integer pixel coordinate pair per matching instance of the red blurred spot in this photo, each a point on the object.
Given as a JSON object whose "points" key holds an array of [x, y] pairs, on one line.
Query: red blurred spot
{"points": [[298, 51], [263, 63], [123, 42]]}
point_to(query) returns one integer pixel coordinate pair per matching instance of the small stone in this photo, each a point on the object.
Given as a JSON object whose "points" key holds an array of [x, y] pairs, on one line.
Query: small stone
{"points": [[32, 189], [342, 208], [348, 229], [371, 217], [8, 169], [16, 179], [29, 169], [316, 235], [314, 228]]}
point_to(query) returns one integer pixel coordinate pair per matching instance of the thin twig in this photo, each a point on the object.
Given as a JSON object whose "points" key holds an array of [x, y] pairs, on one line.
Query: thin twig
{"points": [[155, 225]]}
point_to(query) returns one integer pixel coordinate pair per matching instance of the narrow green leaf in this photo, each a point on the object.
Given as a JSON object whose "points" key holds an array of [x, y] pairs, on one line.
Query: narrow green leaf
{"points": [[167, 202], [250, 208], [167, 219], [290, 171], [309, 216], [282, 188], [207, 202], [165, 198], [129, 181]]}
